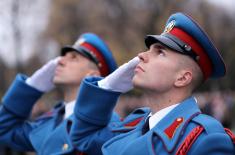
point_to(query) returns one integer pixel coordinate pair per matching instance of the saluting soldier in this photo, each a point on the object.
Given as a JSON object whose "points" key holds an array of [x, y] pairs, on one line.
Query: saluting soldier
{"points": [[49, 134], [176, 63]]}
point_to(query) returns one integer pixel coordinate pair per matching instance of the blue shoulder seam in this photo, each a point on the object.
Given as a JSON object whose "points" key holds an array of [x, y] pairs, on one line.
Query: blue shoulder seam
{"points": [[210, 124]]}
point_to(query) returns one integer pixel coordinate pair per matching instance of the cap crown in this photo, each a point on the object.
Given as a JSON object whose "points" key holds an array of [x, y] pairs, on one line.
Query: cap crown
{"points": [[93, 47]]}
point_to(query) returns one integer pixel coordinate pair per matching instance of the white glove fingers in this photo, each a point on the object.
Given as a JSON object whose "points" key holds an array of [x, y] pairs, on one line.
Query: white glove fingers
{"points": [[56, 60], [133, 62], [42, 79], [121, 79], [51, 65]]}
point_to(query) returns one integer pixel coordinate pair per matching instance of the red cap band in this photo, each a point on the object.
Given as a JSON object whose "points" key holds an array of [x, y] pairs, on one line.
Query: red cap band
{"points": [[204, 61], [103, 67]]}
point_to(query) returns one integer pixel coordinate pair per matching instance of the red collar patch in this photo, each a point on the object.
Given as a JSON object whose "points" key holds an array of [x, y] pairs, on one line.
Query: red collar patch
{"points": [[172, 128], [134, 122]]}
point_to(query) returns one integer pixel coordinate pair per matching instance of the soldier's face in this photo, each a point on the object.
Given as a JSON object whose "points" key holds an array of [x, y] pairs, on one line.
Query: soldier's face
{"points": [[71, 69], [158, 69]]}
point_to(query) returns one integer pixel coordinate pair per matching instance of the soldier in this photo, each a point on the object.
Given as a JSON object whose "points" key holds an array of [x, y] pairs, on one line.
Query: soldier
{"points": [[48, 134], [175, 64]]}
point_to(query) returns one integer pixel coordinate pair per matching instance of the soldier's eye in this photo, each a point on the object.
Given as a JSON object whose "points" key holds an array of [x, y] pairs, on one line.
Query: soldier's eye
{"points": [[161, 52]]}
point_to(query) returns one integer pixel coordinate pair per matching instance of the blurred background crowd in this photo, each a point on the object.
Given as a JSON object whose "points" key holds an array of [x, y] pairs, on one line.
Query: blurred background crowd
{"points": [[32, 32]]}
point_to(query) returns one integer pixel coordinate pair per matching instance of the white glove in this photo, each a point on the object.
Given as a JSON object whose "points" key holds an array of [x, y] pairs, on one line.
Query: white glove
{"points": [[42, 79], [121, 79]]}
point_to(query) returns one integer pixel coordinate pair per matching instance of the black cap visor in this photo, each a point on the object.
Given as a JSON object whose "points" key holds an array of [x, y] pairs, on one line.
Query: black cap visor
{"points": [[172, 43], [81, 50]]}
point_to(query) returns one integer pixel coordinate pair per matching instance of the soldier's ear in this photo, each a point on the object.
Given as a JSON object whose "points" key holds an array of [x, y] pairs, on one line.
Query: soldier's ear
{"points": [[93, 73], [183, 78]]}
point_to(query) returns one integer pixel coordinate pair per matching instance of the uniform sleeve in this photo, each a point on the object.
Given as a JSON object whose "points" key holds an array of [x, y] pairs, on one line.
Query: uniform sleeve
{"points": [[16, 106], [93, 112], [214, 144]]}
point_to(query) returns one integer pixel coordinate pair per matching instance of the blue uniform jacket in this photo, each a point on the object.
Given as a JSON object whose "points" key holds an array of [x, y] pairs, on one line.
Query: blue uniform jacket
{"points": [[90, 128], [48, 134]]}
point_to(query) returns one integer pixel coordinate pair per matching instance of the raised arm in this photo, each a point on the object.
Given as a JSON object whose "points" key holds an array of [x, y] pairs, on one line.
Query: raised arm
{"points": [[17, 105], [97, 98]]}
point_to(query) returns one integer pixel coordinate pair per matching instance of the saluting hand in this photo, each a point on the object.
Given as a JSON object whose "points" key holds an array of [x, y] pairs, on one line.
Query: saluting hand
{"points": [[121, 79], [42, 79]]}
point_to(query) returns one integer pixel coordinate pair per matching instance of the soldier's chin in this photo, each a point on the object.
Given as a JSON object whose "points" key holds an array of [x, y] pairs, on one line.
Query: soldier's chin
{"points": [[135, 83], [56, 81], [137, 86]]}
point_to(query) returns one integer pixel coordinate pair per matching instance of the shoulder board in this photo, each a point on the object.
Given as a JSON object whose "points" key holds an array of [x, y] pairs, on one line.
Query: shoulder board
{"points": [[210, 124], [189, 140]]}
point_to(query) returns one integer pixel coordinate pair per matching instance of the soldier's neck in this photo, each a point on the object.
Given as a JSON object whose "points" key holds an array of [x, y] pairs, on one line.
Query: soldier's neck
{"points": [[159, 101], [70, 93]]}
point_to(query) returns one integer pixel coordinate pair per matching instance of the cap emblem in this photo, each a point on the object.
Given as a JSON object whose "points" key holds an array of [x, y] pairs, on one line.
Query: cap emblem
{"points": [[79, 42], [169, 26]]}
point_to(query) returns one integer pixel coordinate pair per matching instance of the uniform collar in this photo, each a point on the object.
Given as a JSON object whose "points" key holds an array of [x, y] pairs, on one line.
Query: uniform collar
{"points": [[155, 118], [173, 124]]}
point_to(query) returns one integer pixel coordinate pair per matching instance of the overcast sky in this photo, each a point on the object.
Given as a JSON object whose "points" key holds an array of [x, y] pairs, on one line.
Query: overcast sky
{"points": [[229, 5], [33, 22]]}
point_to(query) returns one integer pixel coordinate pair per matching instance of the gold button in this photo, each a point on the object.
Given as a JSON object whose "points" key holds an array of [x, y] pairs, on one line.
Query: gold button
{"points": [[65, 147]]}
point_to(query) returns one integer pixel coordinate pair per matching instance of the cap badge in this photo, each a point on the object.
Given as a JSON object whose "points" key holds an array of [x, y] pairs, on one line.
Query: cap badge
{"points": [[169, 26], [79, 42]]}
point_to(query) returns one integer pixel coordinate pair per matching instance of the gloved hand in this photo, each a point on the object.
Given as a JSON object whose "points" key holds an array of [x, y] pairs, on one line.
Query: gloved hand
{"points": [[42, 79], [121, 79]]}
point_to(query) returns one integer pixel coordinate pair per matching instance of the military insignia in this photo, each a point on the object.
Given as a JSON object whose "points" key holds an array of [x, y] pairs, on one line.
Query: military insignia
{"points": [[134, 122], [170, 131], [169, 26], [79, 42]]}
